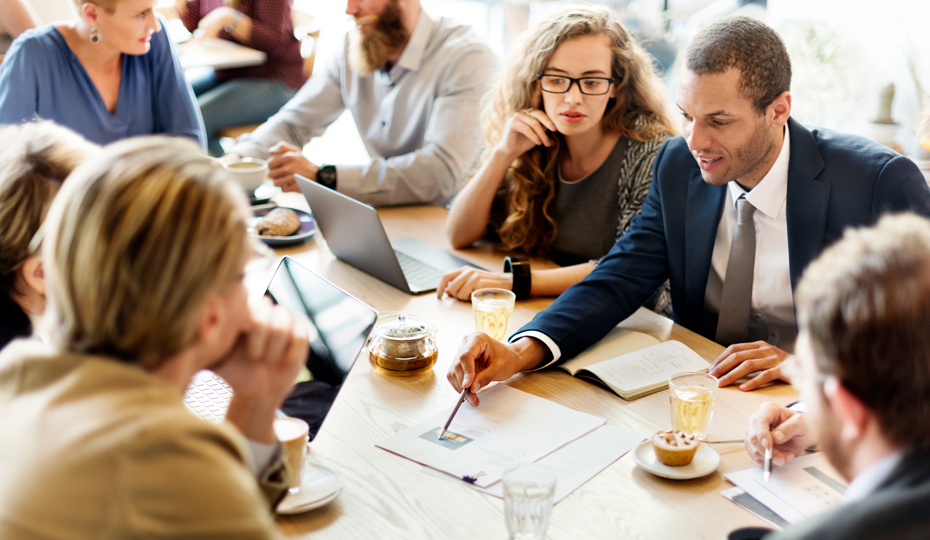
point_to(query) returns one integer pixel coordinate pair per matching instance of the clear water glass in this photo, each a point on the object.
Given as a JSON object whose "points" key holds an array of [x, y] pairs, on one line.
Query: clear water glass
{"points": [[528, 491]]}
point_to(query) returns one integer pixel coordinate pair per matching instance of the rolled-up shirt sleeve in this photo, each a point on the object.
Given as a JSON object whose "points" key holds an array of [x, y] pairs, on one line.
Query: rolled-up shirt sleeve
{"points": [[316, 105]]}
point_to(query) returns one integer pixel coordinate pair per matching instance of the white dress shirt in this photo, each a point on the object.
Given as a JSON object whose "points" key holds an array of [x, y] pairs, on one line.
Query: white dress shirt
{"points": [[868, 480], [419, 120], [772, 309]]}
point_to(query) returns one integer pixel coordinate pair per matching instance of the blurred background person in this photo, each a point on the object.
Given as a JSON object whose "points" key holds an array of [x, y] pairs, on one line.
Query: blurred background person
{"points": [[35, 159], [249, 95], [16, 16], [108, 74], [572, 132]]}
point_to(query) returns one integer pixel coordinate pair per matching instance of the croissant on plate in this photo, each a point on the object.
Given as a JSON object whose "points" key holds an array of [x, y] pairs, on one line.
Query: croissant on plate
{"points": [[278, 222]]}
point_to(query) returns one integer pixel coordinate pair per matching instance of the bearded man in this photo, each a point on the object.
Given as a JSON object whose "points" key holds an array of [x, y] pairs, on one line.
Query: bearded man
{"points": [[739, 205], [413, 84]]}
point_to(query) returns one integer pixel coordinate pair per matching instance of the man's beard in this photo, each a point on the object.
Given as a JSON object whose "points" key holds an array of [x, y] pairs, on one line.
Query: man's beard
{"points": [[372, 52]]}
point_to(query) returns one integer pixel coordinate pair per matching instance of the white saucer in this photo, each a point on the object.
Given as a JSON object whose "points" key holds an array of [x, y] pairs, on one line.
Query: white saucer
{"points": [[319, 487], [706, 460]]}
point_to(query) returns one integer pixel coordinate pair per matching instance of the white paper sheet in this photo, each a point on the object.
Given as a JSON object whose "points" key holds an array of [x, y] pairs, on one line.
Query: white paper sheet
{"points": [[577, 462], [804, 487], [509, 426]]}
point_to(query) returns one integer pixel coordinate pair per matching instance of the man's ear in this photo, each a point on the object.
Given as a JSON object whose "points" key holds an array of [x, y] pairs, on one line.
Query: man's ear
{"points": [[854, 415], [780, 109], [208, 320], [34, 274]]}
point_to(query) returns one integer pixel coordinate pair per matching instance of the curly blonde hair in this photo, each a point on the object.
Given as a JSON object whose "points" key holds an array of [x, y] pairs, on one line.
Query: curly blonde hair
{"points": [[638, 112]]}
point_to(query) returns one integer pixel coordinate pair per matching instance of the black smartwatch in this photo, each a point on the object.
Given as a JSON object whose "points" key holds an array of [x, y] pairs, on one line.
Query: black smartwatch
{"points": [[522, 278], [326, 176]]}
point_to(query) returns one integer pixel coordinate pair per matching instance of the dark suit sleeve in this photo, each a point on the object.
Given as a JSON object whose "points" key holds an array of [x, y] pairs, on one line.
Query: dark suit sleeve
{"points": [[626, 277], [900, 187]]}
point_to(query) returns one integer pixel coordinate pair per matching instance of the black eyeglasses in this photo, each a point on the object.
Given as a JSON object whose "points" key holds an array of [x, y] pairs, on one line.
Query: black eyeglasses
{"points": [[589, 86]]}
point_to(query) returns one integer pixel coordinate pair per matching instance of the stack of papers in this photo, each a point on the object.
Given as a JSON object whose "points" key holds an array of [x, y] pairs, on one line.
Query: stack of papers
{"points": [[804, 487], [511, 427]]}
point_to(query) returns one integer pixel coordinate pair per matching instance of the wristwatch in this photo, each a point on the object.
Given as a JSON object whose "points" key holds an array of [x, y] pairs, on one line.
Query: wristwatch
{"points": [[236, 18], [326, 176], [519, 266]]}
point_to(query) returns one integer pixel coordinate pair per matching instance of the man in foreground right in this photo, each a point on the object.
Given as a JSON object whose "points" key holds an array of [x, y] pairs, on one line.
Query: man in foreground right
{"points": [[863, 368]]}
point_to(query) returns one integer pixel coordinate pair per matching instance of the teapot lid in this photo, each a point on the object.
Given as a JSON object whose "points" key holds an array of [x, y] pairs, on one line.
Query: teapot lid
{"points": [[404, 327]]}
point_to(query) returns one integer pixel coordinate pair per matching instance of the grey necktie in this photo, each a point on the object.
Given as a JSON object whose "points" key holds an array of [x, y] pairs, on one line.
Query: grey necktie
{"points": [[736, 299]]}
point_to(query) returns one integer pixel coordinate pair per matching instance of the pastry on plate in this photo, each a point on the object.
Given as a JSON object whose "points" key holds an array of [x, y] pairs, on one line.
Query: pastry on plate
{"points": [[675, 448]]}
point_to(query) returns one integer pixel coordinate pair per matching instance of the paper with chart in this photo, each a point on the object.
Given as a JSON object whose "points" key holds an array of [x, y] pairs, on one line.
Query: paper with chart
{"points": [[578, 461], [804, 487], [647, 370], [509, 426]]}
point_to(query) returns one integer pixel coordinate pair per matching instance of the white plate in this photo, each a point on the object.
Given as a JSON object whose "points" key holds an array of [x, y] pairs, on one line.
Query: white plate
{"points": [[706, 460], [319, 487]]}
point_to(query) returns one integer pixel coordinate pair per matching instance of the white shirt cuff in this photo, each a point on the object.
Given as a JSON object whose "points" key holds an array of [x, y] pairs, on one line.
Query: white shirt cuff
{"points": [[261, 455], [546, 340]]}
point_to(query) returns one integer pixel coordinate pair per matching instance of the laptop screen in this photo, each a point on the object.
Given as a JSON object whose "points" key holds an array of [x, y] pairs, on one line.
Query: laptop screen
{"points": [[339, 327]]}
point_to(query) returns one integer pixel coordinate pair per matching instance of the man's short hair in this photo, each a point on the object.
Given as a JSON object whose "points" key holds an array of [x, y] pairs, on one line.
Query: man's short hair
{"points": [[750, 46], [865, 304]]}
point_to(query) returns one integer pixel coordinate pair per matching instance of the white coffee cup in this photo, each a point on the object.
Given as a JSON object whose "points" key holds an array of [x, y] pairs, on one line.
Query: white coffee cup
{"points": [[249, 173]]}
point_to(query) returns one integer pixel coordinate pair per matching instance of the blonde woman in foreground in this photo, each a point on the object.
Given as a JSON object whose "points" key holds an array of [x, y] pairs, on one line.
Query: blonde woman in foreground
{"points": [[35, 158], [145, 252], [572, 129]]}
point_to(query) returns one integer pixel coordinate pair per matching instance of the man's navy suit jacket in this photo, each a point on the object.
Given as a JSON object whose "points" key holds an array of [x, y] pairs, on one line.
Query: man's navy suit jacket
{"points": [[835, 181]]}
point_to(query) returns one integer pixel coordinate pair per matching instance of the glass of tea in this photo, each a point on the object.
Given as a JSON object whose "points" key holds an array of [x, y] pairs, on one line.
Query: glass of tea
{"points": [[493, 308], [692, 400]]}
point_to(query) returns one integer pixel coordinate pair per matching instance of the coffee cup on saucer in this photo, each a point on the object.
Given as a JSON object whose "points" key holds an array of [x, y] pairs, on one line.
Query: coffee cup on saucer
{"points": [[249, 172]]}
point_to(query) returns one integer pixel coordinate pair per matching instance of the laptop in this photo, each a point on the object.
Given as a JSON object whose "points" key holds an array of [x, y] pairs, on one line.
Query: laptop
{"points": [[340, 325], [355, 235]]}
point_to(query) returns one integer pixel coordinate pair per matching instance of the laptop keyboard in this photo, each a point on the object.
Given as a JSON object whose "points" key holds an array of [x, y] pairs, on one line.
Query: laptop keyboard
{"points": [[420, 276], [208, 396]]}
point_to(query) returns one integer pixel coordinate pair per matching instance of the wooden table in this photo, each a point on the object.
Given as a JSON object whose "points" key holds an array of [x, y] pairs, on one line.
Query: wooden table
{"points": [[218, 53], [387, 496]]}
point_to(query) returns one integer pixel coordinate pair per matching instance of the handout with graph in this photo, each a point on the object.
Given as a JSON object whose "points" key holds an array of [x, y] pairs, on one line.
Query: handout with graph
{"points": [[578, 461], [633, 364], [804, 487], [509, 426]]}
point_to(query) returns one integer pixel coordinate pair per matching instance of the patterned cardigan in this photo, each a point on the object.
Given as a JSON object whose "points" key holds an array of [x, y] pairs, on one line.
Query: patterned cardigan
{"points": [[633, 185]]}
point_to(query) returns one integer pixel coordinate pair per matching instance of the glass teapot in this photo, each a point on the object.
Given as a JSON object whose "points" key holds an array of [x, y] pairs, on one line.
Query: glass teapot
{"points": [[403, 345]]}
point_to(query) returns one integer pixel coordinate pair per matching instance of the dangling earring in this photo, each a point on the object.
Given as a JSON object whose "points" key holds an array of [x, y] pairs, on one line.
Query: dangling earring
{"points": [[94, 35]]}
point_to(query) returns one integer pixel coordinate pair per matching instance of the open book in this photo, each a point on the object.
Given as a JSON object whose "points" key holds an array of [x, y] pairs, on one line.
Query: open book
{"points": [[633, 364]]}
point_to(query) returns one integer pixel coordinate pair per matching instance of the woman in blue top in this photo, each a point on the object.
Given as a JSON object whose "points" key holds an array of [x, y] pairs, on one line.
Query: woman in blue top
{"points": [[110, 74]]}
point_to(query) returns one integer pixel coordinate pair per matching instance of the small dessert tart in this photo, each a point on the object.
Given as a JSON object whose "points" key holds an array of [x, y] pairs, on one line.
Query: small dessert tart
{"points": [[675, 448]]}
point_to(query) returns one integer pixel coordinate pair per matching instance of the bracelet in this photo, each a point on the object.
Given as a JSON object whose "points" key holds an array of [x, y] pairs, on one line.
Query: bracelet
{"points": [[232, 26], [326, 176], [522, 278]]}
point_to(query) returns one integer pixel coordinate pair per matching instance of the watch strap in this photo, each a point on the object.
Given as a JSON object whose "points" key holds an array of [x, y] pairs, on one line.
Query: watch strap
{"points": [[519, 266]]}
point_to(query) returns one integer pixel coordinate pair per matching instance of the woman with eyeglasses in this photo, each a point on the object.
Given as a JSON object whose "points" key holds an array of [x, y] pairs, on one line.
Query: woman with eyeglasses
{"points": [[35, 158], [571, 133]]}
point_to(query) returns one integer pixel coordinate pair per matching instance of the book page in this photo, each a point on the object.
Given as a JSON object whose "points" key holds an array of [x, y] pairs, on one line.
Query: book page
{"points": [[509, 426], [648, 367], [616, 343]]}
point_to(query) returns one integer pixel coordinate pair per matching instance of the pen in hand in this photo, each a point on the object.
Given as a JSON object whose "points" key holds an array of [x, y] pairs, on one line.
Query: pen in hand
{"points": [[455, 410], [767, 466]]}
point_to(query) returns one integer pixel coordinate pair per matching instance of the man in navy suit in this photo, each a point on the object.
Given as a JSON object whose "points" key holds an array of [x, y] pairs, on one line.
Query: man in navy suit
{"points": [[743, 173], [863, 369]]}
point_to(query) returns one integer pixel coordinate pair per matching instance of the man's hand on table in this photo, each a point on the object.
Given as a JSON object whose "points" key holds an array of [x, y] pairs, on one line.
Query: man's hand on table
{"points": [[460, 283], [782, 427], [262, 368], [481, 360], [286, 160], [215, 21], [741, 359]]}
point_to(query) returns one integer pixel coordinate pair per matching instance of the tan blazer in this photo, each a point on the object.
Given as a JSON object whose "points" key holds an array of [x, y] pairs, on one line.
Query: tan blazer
{"points": [[97, 449]]}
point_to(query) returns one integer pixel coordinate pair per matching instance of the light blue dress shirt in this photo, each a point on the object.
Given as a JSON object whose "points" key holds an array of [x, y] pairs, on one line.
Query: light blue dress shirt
{"points": [[41, 77]]}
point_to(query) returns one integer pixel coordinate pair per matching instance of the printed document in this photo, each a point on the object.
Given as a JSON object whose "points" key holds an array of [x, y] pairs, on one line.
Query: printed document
{"points": [[508, 427]]}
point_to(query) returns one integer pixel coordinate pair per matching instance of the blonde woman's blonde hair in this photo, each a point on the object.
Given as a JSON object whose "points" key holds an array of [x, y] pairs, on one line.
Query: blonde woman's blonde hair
{"points": [[35, 158], [638, 112], [137, 243]]}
